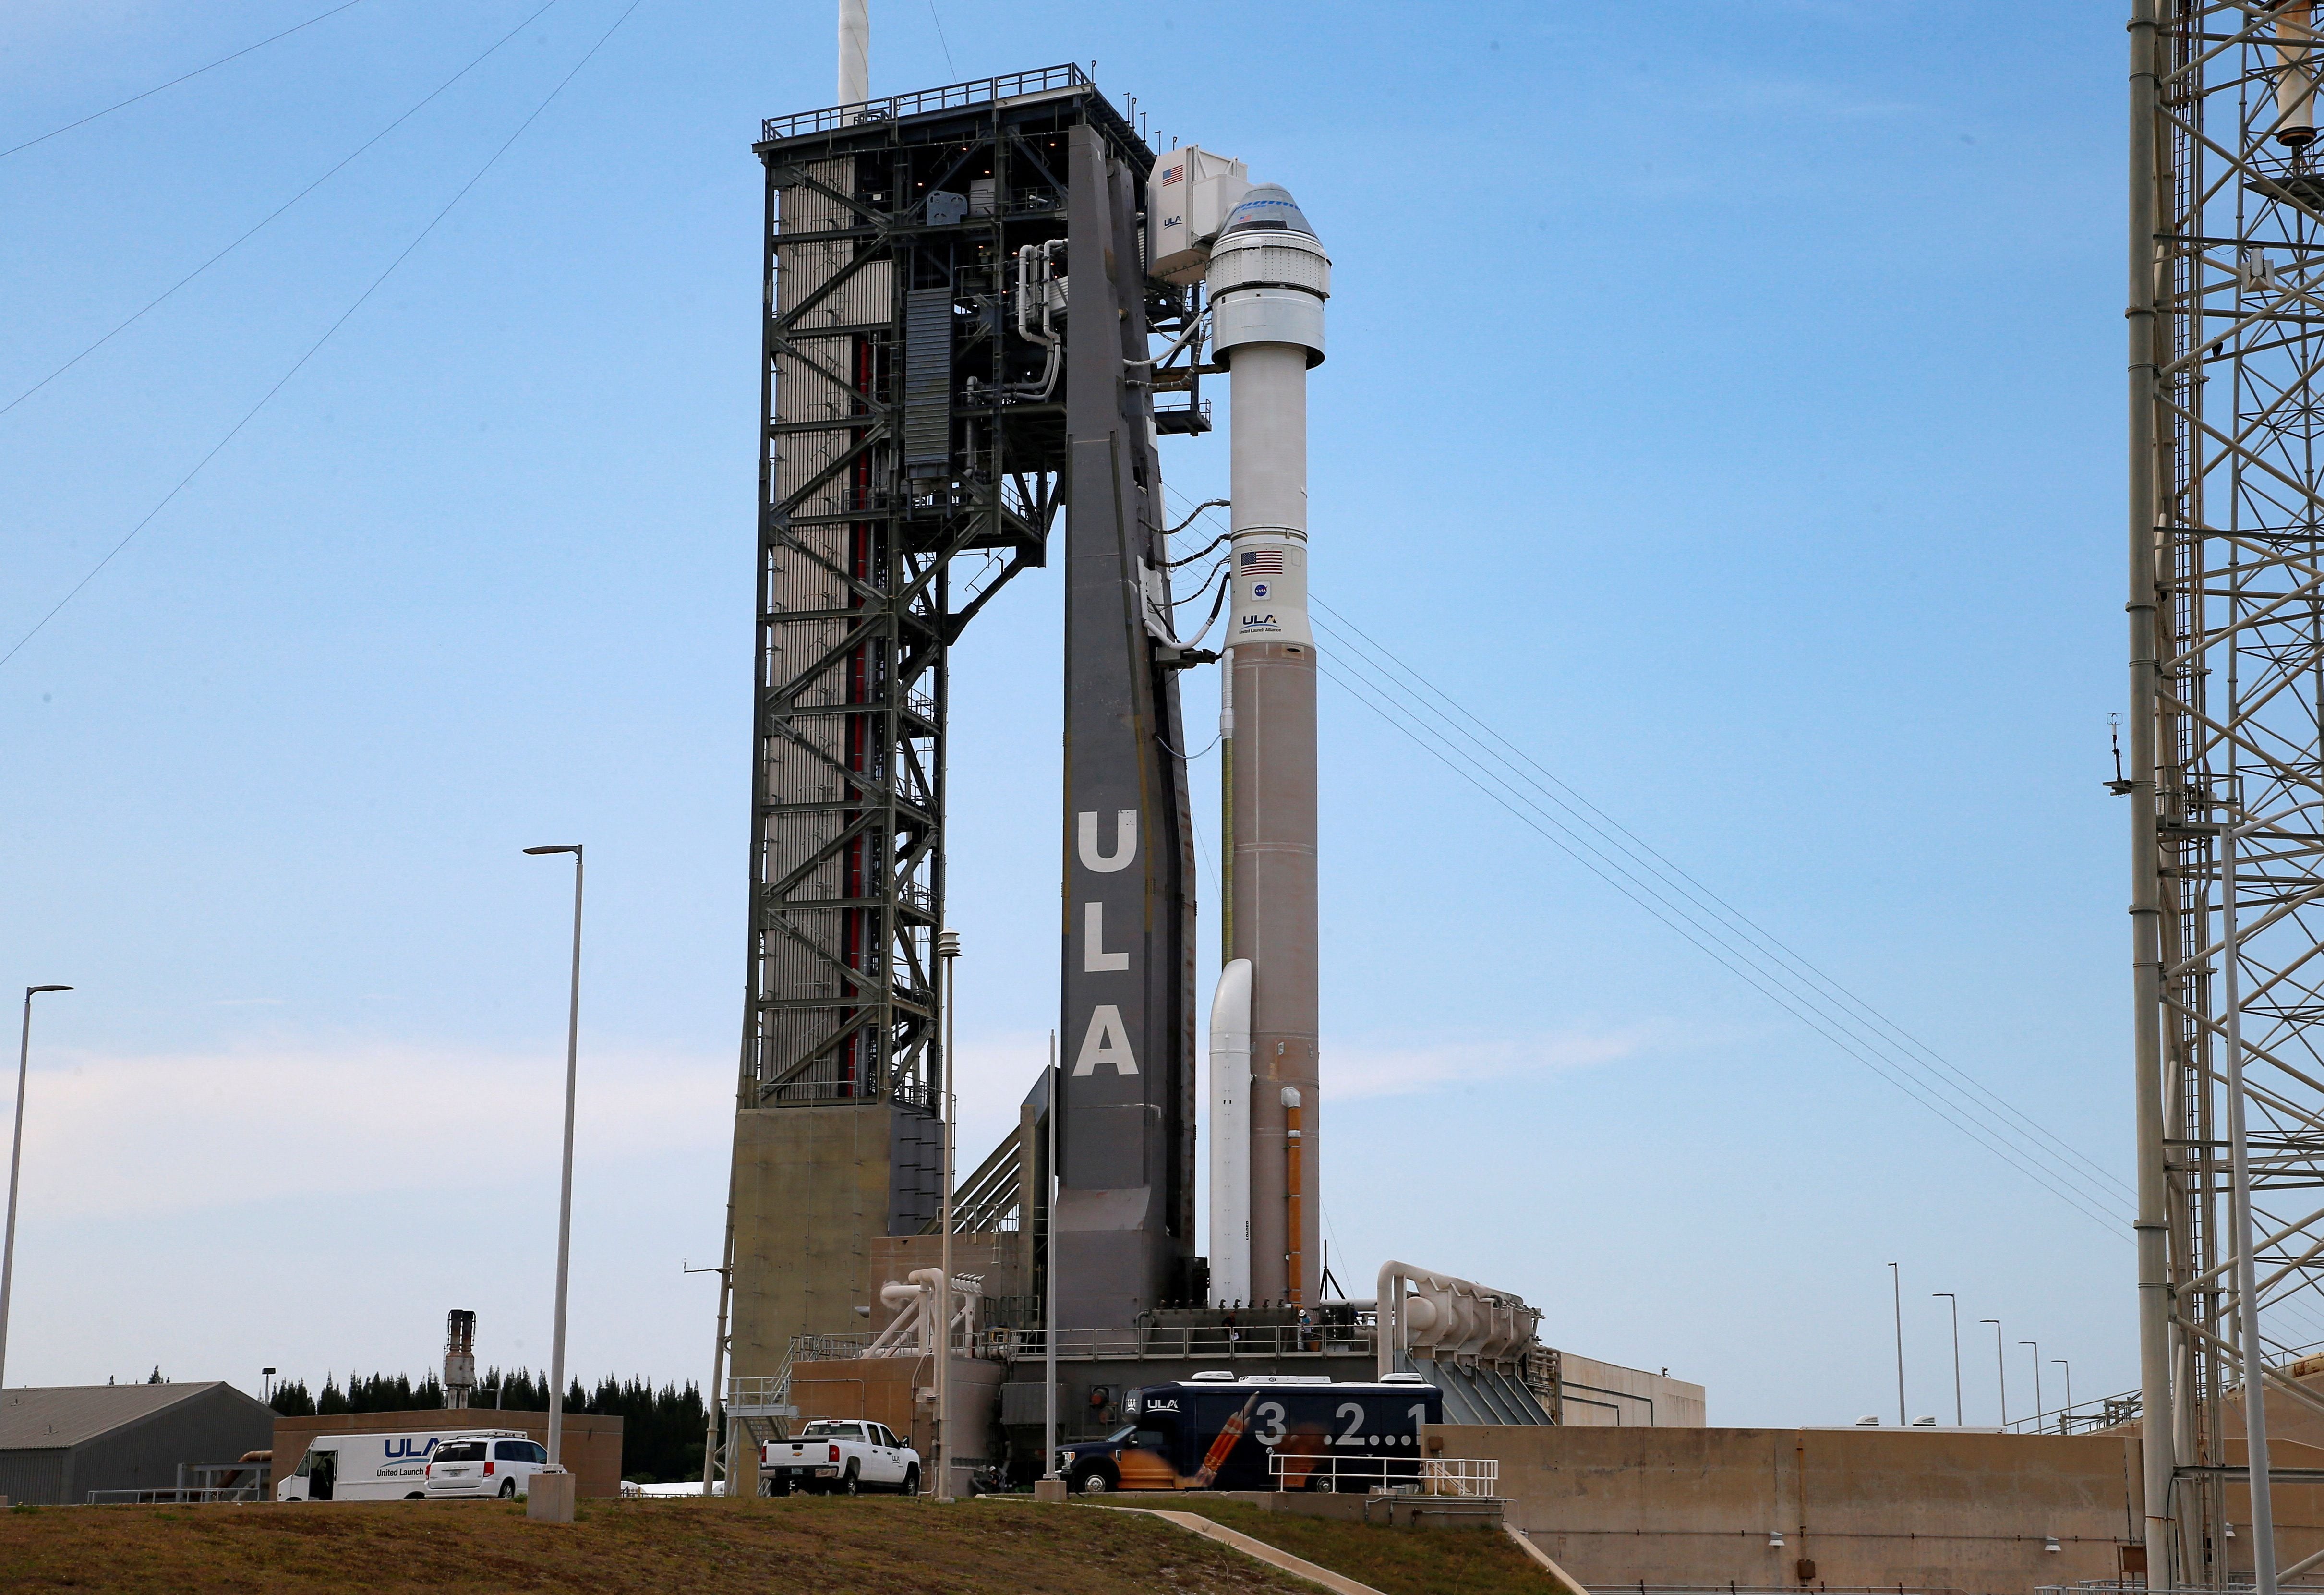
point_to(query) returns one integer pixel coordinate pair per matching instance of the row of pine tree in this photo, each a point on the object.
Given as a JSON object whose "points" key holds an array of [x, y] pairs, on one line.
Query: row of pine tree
{"points": [[661, 1429]]}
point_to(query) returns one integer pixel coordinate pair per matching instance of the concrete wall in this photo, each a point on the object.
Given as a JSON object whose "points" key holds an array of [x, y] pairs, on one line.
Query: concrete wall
{"points": [[592, 1445], [1606, 1395], [811, 1192], [889, 1390], [998, 1257], [1928, 1510]]}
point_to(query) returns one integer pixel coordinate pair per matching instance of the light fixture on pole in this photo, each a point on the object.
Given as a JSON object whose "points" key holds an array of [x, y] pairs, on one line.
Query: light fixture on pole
{"points": [[2037, 1382], [565, 1194], [15, 1163], [2067, 1411], [948, 951], [267, 1376], [1955, 1302], [1896, 1289], [2001, 1367], [1049, 1292]]}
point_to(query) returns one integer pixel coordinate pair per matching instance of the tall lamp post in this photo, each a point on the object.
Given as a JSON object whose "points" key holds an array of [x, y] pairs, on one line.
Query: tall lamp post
{"points": [[1953, 1301], [2068, 1410], [1049, 1282], [15, 1162], [2001, 1367], [1896, 1289], [948, 950], [565, 1194]]}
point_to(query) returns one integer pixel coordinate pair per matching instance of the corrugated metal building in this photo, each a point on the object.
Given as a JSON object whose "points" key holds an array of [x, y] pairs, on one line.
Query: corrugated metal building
{"points": [[58, 1443]]}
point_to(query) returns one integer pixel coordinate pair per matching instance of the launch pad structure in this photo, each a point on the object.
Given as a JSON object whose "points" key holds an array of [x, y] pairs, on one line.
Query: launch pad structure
{"points": [[2225, 777], [955, 343], [965, 291]]}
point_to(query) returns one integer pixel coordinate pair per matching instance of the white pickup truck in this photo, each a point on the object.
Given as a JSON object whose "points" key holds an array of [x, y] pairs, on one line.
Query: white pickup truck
{"points": [[843, 1455]]}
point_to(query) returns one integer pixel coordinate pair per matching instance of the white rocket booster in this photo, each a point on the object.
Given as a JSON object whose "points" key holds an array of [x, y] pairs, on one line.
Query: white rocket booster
{"points": [[1229, 1105]]}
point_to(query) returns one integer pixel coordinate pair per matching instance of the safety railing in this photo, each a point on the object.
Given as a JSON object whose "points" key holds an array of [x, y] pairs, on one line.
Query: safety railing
{"points": [[1265, 1339], [1478, 1478], [198, 1484], [167, 1496], [759, 1393], [2087, 1417], [991, 1343], [952, 96]]}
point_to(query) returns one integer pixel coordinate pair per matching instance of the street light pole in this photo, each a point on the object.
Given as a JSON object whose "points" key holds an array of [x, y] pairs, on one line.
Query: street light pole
{"points": [[565, 1194], [1896, 1288], [2001, 1366], [1959, 1420], [15, 1163], [1049, 1303], [2063, 1416], [948, 950], [2037, 1382]]}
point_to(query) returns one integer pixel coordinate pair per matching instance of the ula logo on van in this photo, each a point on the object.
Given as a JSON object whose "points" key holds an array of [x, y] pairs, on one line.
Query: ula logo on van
{"points": [[406, 1448], [1169, 1405]]}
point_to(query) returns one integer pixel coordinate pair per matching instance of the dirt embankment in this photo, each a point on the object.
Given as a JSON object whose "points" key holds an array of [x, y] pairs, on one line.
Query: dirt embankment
{"points": [[766, 1547]]}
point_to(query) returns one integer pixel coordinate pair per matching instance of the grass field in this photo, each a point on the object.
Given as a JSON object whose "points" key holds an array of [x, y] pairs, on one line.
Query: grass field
{"points": [[1394, 1561], [883, 1547]]}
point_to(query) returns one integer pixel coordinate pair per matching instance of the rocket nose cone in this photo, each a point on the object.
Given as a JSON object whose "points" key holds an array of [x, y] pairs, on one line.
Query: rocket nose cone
{"points": [[1268, 207]]}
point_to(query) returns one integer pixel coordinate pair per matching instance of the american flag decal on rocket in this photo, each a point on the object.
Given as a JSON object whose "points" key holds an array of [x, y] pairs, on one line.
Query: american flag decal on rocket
{"points": [[1262, 562]]}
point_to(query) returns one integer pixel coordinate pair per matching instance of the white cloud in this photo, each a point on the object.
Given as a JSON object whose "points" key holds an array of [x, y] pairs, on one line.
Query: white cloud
{"points": [[1361, 1069], [114, 1135], [110, 1134]]}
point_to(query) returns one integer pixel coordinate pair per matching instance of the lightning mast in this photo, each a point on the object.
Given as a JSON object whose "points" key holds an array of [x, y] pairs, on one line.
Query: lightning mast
{"points": [[2226, 316]]}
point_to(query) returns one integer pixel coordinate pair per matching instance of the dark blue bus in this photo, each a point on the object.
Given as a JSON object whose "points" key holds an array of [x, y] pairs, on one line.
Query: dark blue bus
{"points": [[1216, 1431]]}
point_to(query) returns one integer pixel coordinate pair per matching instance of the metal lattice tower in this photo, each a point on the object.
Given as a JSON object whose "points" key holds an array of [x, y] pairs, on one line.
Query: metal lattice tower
{"points": [[2226, 758], [933, 394]]}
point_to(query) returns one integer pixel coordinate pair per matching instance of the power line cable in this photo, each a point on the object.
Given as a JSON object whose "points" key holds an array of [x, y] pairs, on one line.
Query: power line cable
{"points": [[1732, 926], [1624, 877], [1653, 859], [125, 325], [1696, 935], [942, 39], [1635, 869], [317, 346], [184, 77]]}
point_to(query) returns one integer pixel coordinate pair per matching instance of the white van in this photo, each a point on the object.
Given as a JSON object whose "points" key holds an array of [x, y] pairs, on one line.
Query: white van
{"points": [[364, 1467], [484, 1462]]}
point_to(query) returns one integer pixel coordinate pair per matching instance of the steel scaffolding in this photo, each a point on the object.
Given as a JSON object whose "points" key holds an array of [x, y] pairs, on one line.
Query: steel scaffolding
{"points": [[2226, 781]]}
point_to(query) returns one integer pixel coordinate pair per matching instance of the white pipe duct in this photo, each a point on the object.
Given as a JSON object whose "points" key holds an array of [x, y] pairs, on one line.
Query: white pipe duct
{"points": [[1447, 1315], [1229, 1096], [854, 52]]}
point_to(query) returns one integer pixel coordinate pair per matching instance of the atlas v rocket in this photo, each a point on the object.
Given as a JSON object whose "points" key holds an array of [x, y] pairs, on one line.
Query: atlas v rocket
{"points": [[1268, 278]]}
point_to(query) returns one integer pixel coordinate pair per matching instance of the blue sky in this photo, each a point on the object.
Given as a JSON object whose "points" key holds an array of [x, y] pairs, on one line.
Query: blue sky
{"points": [[1727, 411]]}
